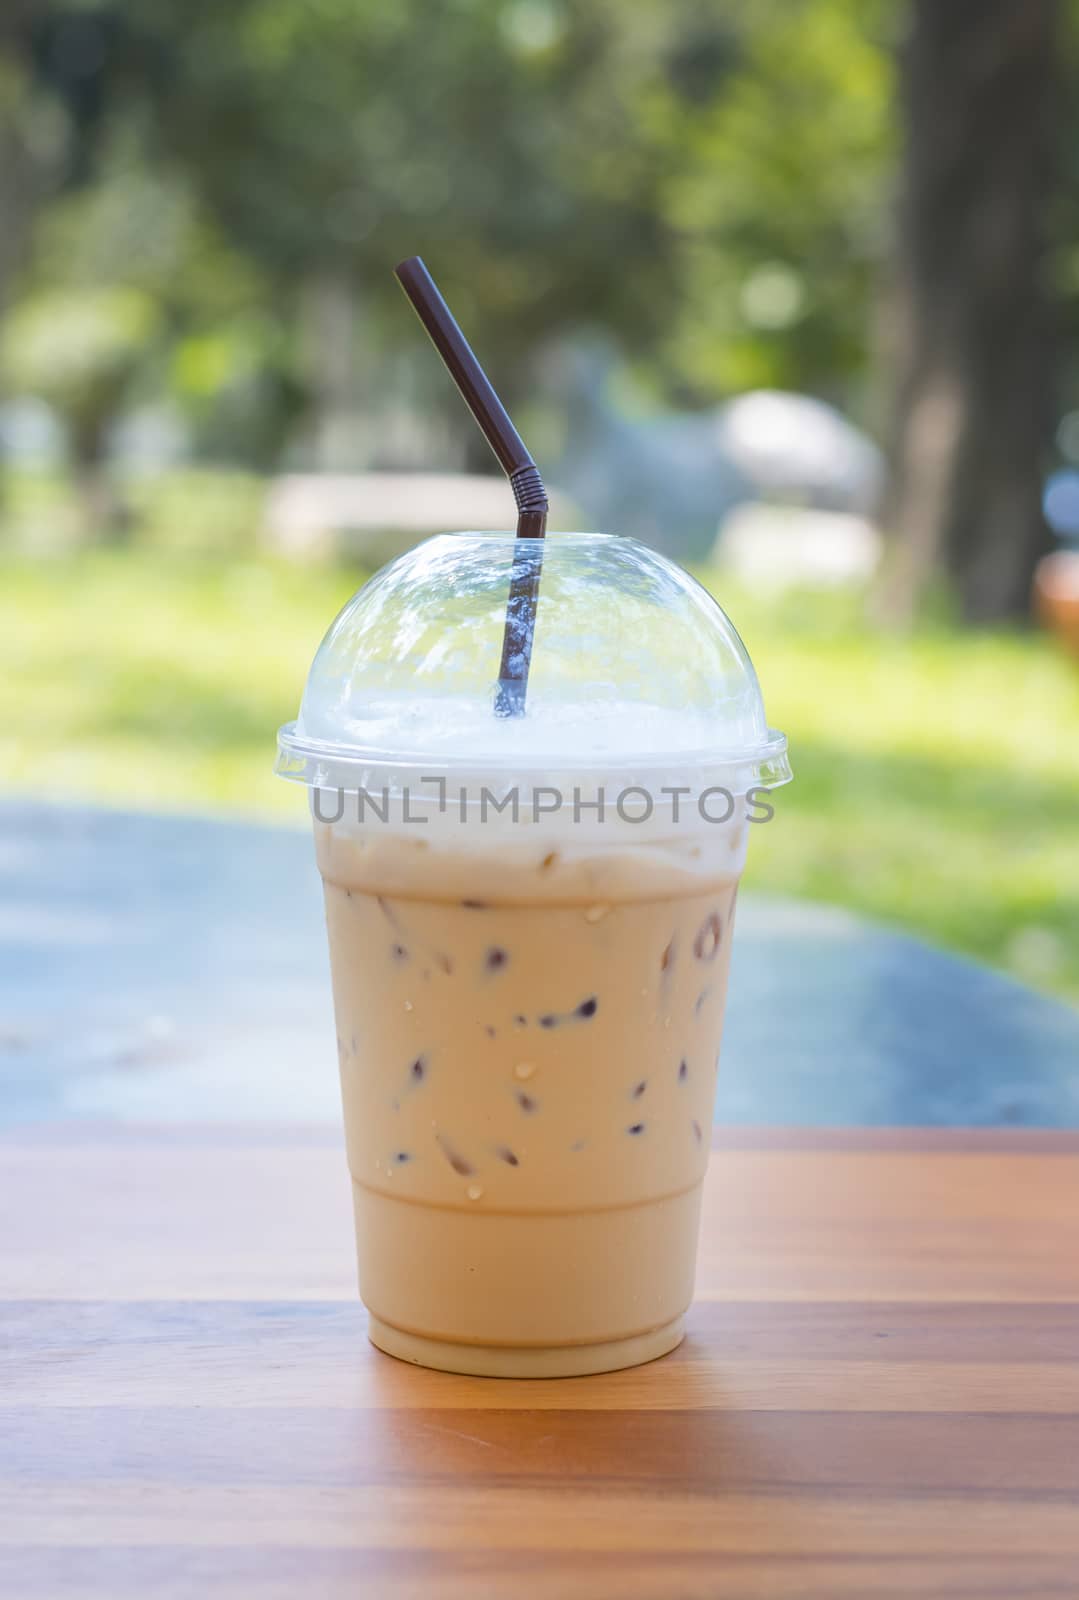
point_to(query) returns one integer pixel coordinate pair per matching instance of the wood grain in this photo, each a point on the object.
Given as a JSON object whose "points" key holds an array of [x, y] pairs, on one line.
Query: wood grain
{"points": [[878, 1396]]}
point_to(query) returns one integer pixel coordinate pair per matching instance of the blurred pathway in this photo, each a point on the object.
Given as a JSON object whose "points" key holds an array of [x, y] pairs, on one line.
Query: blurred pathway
{"points": [[175, 969]]}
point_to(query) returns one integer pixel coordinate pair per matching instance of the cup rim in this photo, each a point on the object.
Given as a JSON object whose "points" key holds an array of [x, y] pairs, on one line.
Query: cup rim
{"points": [[324, 763]]}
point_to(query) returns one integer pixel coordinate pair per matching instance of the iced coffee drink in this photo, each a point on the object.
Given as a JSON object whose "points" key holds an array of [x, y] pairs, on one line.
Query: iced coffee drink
{"points": [[529, 994]]}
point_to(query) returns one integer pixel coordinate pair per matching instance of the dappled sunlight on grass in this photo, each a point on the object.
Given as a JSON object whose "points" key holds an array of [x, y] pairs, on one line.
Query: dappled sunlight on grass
{"points": [[157, 683], [936, 778]]}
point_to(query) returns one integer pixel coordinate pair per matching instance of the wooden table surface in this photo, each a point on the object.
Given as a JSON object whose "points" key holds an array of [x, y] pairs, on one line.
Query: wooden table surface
{"points": [[879, 1393]]}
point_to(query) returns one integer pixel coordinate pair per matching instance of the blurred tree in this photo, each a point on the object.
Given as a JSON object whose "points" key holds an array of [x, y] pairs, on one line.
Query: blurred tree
{"points": [[974, 403], [322, 142], [777, 120], [492, 135], [33, 140], [31, 136], [20, 169], [704, 185], [78, 350], [54, 105], [218, 355]]}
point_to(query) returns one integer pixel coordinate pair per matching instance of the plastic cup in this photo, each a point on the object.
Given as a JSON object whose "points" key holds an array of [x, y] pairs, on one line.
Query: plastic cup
{"points": [[530, 924]]}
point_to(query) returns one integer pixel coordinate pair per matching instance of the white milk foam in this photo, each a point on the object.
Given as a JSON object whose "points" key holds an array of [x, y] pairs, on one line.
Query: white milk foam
{"points": [[593, 735], [393, 744], [438, 796]]}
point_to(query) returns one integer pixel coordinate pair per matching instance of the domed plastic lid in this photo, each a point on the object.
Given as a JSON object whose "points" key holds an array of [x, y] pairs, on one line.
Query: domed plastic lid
{"points": [[636, 671]]}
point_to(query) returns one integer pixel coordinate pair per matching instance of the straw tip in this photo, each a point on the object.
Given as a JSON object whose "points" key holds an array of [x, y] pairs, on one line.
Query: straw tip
{"points": [[409, 264]]}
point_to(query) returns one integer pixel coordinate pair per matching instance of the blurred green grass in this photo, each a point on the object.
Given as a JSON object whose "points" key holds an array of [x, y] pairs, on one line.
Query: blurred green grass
{"points": [[936, 777]]}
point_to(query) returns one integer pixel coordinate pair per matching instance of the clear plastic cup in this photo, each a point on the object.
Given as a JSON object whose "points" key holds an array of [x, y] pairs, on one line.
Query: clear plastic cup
{"points": [[529, 924]]}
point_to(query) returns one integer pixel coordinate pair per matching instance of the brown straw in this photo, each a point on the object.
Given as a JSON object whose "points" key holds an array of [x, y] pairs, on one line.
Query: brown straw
{"points": [[525, 481]]}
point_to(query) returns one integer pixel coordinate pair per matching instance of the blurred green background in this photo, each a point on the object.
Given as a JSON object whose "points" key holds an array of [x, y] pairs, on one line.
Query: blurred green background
{"points": [[643, 212]]}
